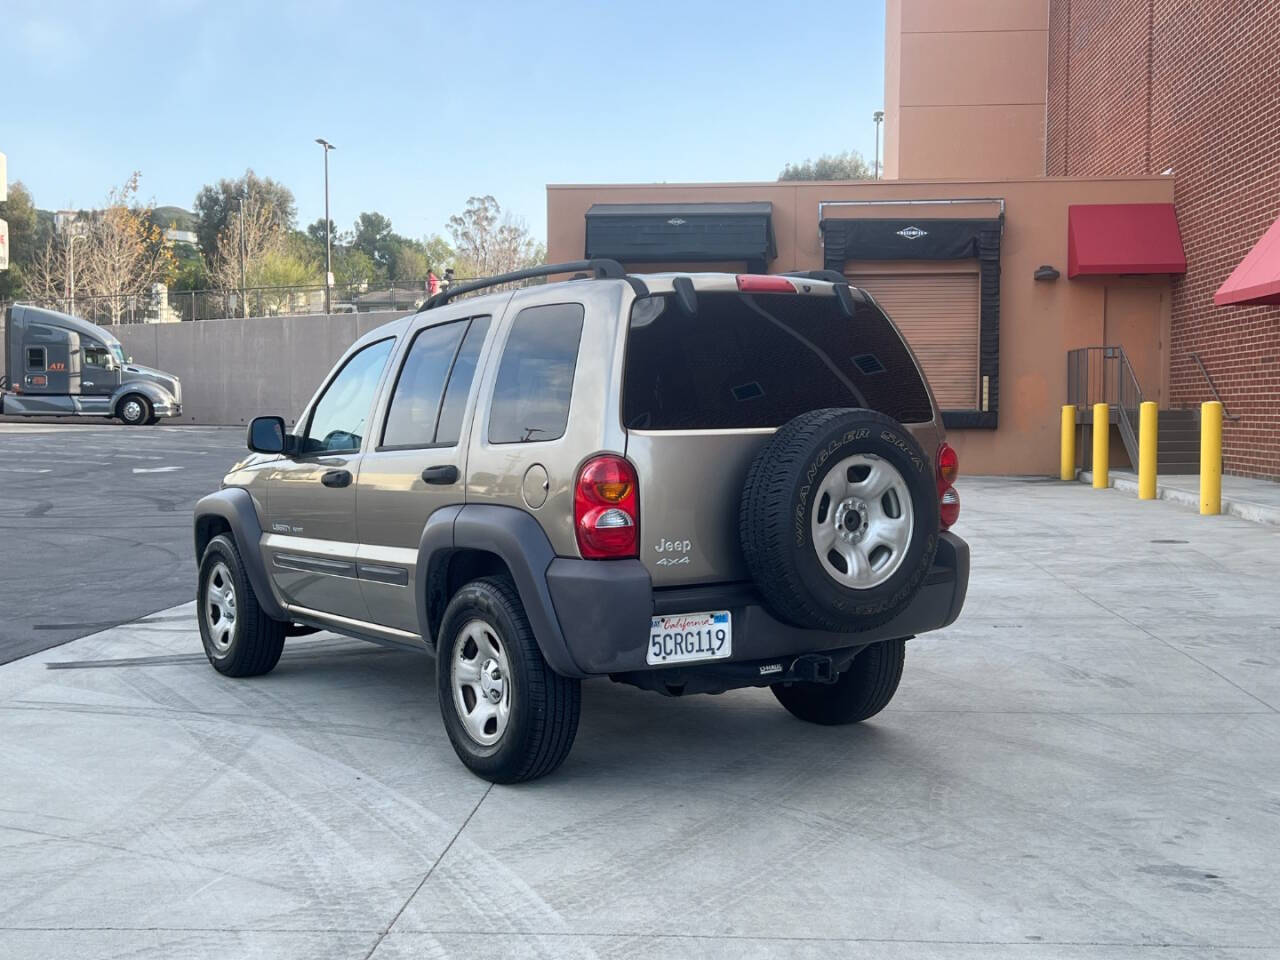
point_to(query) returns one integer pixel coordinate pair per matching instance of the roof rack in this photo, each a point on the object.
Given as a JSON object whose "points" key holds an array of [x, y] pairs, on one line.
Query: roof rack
{"points": [[830, 276], [600, 269]]}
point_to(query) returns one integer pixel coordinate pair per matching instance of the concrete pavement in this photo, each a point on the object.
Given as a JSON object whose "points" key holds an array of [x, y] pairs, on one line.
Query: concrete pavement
{"points": [[1248, 498], [1086, 765]]}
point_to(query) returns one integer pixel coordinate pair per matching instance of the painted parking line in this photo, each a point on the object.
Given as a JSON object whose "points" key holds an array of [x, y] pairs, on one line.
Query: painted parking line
{"points": [[155, 469]]}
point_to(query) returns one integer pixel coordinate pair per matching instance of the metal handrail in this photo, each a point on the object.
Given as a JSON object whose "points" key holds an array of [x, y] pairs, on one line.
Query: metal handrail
{"points": [[1124, 403], [1226, 414]]}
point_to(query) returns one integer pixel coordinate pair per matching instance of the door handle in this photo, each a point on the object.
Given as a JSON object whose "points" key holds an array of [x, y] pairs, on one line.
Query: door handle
{"points": [[336, 478], [443, 474]]}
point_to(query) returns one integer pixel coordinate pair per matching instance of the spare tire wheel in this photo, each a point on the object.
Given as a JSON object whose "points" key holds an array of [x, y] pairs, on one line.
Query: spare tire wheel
{"points": [[839, 520]]}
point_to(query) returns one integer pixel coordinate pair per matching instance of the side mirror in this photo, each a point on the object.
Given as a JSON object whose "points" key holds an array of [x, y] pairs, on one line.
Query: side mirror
{"points": [[267, 435]]}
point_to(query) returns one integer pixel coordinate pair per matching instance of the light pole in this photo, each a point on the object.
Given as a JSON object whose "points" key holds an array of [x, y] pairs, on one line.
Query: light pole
{"points": [[328, 241], [244, 292], [72, 237], [878, 117]]}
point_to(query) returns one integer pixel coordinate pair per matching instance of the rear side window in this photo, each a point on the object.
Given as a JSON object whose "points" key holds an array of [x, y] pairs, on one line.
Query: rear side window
{"points": [[535, 378], [415, 402], [758, 360]]}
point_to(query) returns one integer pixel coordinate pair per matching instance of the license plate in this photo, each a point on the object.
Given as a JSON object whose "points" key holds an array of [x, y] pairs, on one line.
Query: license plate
{"points": [[683, 637]]}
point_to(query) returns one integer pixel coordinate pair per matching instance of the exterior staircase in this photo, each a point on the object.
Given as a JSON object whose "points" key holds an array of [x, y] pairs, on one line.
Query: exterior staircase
{"points": [[1178, 447], [1104, 375]]}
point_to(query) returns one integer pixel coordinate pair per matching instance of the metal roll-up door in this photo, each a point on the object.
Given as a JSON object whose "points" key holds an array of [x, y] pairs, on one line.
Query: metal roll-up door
{"points": [[938, 314]]}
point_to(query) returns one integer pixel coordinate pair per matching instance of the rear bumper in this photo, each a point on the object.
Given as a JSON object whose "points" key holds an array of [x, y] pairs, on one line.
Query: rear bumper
{"points": [[604, 609]]}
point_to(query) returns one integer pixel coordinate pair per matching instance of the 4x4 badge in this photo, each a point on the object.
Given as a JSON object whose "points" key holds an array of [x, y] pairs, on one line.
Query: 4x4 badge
{"points": [[913, 233], [677, 222]]}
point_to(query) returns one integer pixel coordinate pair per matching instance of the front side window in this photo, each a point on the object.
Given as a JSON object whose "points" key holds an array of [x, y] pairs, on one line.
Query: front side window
{"points": [[535, 378], [338, 421], [96, 355], [415, 402], [35, 358]]}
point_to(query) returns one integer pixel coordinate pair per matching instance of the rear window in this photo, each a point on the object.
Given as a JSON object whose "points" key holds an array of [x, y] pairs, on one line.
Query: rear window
{"points": [[758, 360]]}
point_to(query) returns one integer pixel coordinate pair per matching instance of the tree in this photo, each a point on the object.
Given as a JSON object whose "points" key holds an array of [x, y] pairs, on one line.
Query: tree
{"points": [[124, 253], [440, 256], [29, 234], [372, 231], [488, 242], [406, 260], [834, 166], [352, 267], [216, 204], [249, 235]]}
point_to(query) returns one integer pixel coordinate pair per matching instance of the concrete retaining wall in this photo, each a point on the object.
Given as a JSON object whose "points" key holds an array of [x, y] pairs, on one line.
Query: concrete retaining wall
{"points": [[235, 370]]}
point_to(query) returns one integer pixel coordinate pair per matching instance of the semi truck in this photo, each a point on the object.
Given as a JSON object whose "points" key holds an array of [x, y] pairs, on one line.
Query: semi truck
{"points": [[57, 365]]}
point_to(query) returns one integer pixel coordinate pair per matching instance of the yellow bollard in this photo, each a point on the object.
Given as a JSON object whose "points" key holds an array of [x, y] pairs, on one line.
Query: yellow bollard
{"points": [[1147, 446], [1069, 442], [1211, 458], [1101, 445]]}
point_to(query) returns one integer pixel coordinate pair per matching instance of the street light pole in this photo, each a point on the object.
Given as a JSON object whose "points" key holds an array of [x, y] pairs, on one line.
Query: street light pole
{"points": [[878, 117], [328, 241], [71, 269], [244, 292]]}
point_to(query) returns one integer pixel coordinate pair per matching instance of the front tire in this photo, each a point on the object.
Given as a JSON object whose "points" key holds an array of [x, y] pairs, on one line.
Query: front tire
{"points": [[861, 692], [134, 410], [509, 716], [239, 639]]}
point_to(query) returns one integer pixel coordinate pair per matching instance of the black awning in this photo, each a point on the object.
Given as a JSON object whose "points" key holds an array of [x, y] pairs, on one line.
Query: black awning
{"points": [[695, 232], [858, 239]]}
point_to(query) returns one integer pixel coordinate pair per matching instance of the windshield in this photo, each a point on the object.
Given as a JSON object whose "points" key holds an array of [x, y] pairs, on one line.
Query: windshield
{"points": [[118, 352]]}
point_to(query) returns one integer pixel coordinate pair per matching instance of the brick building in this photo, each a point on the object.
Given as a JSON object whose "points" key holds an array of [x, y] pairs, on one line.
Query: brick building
{"points": [[1193, 88], [1114, 162]]}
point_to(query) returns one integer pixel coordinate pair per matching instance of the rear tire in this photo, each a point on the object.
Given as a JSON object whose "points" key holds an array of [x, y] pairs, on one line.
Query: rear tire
{"points": [[134, 409], [509, 716], [862, 691], [239, 639]]}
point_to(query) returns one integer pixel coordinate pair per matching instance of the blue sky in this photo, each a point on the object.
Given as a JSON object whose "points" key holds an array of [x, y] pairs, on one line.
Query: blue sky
{"points": [[428, 103]]}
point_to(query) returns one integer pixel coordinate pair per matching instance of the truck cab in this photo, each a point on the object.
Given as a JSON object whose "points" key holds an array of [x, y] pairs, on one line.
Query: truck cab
{"points": [[57, 365]]}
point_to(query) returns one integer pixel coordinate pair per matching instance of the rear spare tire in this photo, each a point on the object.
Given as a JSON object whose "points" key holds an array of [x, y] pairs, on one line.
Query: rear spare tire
{"points": [[839, 520]]}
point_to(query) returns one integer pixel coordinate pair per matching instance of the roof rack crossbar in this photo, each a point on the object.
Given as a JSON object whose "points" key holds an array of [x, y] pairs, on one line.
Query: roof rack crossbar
{"points": [[600, 269]]}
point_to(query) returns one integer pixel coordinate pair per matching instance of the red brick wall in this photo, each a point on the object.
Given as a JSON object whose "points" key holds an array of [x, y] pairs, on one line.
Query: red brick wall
{"points": [[1140, 86]]}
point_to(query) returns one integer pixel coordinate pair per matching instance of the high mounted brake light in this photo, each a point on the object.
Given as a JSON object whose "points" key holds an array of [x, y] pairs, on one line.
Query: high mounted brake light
{"points": [[764, 283], [606, 509]]}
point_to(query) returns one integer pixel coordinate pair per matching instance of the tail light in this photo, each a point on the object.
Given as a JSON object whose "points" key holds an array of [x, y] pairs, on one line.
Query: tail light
{"points": [[606, 509], [764, 283], [948, 468]]}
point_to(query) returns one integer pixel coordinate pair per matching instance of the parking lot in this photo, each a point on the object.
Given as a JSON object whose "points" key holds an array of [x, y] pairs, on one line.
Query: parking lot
{"points": [[96, 521], [1087, 764]]}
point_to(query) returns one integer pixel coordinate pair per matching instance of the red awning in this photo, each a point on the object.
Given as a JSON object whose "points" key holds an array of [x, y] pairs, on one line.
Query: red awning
{"points": [[1257, 278], [1113, 238]]}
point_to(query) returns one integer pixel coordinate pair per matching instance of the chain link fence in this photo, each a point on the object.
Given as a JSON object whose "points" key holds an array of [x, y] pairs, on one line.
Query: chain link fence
{"points": [[162, 305]]}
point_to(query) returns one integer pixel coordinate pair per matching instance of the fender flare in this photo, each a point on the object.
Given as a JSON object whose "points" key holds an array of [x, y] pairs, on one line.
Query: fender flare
{"points": [[519, 541], [152, 391], [235, 506]]}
